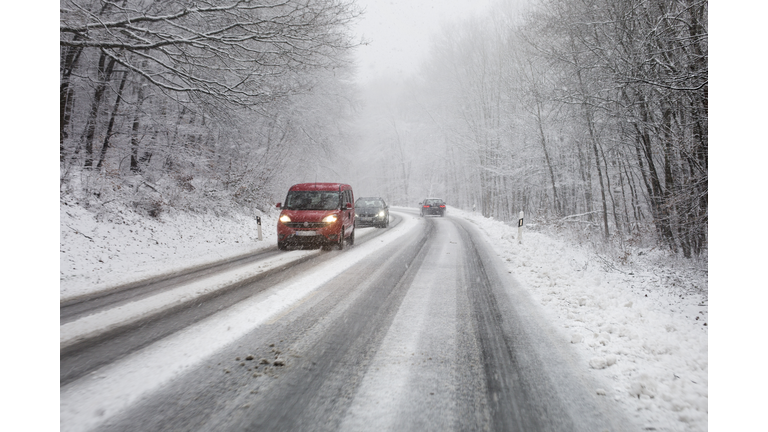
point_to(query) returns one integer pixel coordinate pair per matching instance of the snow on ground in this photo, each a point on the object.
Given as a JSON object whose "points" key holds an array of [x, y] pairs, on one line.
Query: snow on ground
{"points": [[640, 324], [102, 322], [86, 404], [99, 250]]}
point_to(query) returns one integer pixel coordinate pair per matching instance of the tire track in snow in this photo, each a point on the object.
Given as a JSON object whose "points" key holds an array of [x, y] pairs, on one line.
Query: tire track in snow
{"points": [[88, 402]]}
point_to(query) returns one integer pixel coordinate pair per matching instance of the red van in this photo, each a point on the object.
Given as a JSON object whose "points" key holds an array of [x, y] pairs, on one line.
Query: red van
{"points": [[320, 214]]}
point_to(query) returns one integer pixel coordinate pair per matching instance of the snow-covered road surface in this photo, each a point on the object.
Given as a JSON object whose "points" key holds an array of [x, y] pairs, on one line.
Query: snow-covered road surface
{"points": [[102, 322], [121, 383], [417, 328]]}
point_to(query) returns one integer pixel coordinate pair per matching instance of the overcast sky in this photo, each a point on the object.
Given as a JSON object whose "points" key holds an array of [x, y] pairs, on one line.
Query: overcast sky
{"points": [[399, 32]]}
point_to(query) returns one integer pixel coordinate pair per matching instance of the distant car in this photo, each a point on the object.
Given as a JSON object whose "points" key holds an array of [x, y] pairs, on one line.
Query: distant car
{"points": [[320, 214], [432, 206], [371, 211]]}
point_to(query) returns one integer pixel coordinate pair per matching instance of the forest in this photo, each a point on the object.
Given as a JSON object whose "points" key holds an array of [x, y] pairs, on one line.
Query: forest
{"points": [[588, 115]]}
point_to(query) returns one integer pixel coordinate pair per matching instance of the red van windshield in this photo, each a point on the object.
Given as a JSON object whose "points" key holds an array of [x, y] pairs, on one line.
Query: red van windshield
{"points": [[312, 200]]}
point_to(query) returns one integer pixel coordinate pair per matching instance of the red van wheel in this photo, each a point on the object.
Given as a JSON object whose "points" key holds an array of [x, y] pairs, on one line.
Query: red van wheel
{"points": [[340, 244]]}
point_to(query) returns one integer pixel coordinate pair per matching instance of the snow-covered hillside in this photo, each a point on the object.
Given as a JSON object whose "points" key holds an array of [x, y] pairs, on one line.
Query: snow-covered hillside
{"points": [[109, 248]]}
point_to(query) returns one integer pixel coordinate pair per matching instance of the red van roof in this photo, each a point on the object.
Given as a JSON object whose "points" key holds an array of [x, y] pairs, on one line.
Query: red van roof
{"points": [[319, 187]]}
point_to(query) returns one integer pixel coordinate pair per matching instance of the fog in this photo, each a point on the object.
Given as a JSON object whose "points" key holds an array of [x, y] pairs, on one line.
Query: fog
{"points": [[559, 109]]}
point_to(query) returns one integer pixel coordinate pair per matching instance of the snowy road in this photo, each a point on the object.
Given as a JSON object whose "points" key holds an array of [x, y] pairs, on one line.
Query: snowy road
{"points": [[417, 327]]}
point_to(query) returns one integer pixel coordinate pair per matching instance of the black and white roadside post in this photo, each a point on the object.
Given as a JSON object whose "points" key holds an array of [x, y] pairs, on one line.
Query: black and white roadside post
{"points": [[258, 225], [520, 228]]}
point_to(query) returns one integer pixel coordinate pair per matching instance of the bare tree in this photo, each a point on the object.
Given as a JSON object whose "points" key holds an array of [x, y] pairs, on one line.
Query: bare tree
{"points": [[210, 98], [580, 109], [239, 52]]}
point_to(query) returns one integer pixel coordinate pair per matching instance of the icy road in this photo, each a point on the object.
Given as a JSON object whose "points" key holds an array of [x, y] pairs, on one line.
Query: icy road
{"points": [[416, 327]]}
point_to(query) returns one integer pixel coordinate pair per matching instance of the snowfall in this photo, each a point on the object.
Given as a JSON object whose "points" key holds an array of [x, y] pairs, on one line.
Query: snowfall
{"points": [[638, 321]]}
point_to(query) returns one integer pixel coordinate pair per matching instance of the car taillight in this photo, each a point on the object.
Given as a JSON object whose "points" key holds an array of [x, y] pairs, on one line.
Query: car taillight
{"points": [[426, 206], [442, 206]]}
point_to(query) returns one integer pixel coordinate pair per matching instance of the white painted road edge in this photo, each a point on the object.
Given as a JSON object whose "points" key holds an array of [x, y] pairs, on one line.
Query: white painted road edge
{"points": [[90, 401]]}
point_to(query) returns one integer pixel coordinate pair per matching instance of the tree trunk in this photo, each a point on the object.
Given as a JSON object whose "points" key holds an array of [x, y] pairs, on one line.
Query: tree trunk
{"points": [[104, 74], [627, 220], [108, 135], [135, 130], [66, 93], [668, 205], [593, 140], [602, 187], [614, 207], [543, 139], [586, 178]]}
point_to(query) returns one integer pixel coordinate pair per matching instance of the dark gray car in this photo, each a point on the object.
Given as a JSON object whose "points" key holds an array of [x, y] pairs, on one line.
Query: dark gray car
{"points": [[371, 211], [432, 206]]}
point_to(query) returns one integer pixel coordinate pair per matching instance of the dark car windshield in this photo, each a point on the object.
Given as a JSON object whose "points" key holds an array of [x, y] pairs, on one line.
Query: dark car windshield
{"points": [[369, 202], [312, 200]]}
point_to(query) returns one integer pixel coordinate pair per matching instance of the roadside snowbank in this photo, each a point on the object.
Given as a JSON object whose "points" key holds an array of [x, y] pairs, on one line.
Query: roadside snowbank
{"points": [[103, 250], [641, 325]]}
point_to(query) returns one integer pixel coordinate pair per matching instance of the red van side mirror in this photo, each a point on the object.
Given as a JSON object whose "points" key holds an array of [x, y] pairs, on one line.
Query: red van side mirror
{"points": [[278, 205]]}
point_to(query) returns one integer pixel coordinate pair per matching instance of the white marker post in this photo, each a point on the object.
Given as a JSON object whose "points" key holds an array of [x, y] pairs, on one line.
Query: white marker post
{"points": [[258, 225], [520, 228]]}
